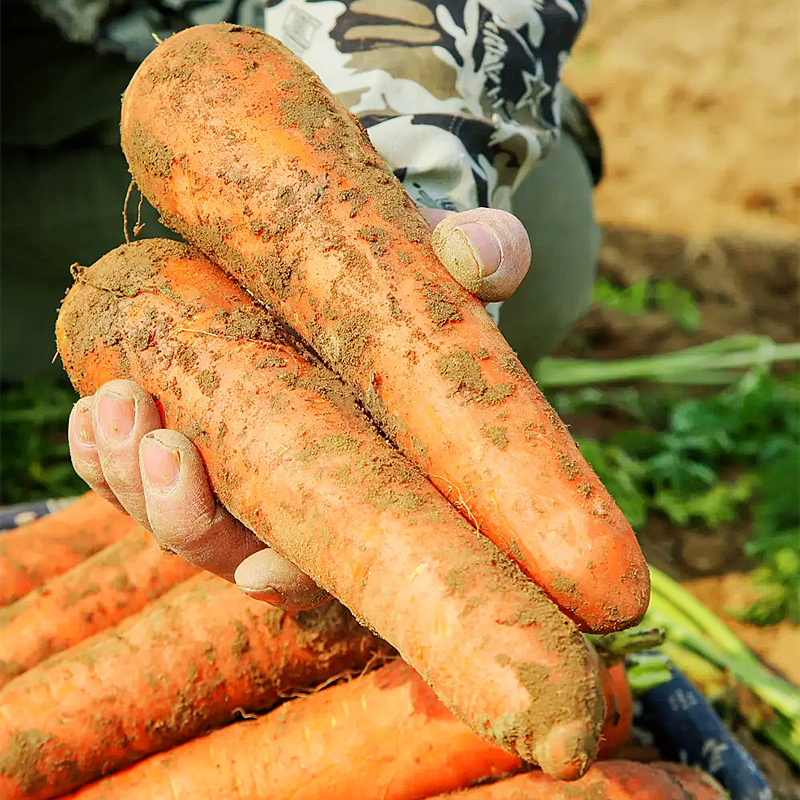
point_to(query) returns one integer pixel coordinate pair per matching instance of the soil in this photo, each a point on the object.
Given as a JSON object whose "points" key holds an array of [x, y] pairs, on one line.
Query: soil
{"points": [[698, 107]]}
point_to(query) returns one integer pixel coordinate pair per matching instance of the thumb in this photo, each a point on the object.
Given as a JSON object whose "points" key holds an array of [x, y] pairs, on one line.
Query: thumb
{"points": [[485, 249]]}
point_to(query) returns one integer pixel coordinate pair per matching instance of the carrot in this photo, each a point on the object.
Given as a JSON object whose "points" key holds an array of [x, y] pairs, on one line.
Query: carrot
{"points": [[185, 664], [697, 784], [382, 736], [242, 151], [290, 454], [53, 544], [94, 595], [619, 709], [609, 780]]}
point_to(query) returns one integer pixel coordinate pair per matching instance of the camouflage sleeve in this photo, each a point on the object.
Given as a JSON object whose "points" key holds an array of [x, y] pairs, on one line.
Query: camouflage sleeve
{"points": [[461, 97]]}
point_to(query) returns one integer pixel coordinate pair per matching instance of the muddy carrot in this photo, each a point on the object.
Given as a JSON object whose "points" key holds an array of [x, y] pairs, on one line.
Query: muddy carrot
{"points": [[51, 545], [93, 596], [619, 709], [609, 780], [243, 152], [291, 455], [185, 664], [382, 736]]}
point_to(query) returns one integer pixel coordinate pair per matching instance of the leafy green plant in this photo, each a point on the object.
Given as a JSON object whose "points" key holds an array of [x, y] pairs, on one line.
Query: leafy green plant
{"points": [[647, 296], [34, 455], [706, 461]]}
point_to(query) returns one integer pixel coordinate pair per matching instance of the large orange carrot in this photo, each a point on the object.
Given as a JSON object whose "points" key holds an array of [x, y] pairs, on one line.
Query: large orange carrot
{"points": [[290, 455], [243, 151], [606, 780], [50, 545], [382, 736], [94, 595], [181, 666]]}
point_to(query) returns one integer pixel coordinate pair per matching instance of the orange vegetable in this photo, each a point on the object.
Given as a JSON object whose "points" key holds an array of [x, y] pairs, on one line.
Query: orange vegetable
{"points": [[382, 736], [94, 595], [185, 664], [606, 780], [292, 457], [697, 784], [53, 544], [619, 709], [242, 150]]}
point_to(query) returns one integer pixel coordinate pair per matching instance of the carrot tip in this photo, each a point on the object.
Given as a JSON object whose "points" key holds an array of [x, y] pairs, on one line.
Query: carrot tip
{"points": [[566, 752]]}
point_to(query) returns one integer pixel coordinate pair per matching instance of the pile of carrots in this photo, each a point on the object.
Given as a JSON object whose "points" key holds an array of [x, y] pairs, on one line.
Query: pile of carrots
{"points": [[359, 411], [191, 689]]}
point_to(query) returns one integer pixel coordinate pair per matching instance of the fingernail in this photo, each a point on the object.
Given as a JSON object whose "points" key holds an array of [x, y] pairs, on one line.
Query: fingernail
{"points": [[266, 595], [484, 244], [161, 465], [115, 414], [83, 427]]}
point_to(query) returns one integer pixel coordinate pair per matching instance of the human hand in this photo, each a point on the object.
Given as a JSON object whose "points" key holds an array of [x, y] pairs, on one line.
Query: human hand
{"points": [[119, 448]]}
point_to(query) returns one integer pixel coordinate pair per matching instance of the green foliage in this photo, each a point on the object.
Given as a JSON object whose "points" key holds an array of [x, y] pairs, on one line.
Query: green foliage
{"points": [[646, 296], [707, 461], [34, 455]]}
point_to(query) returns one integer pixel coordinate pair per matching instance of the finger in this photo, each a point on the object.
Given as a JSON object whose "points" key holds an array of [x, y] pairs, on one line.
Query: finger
{"points": [[122, 413], [433, 216], [485, 249], [83, 450], [268, 576], [183, 512]]}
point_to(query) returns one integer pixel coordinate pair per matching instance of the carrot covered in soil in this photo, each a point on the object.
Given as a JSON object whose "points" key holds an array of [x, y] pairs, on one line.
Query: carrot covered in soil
{"points": [[94, 595], [619, 709], [244, 152], [291, 455], [181, 666], [606, 780], [381, 736], [53, 544]]}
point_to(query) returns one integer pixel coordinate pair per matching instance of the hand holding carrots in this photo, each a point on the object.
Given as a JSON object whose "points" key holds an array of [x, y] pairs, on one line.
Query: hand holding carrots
{"points": [[119, 448], [353, 405]]}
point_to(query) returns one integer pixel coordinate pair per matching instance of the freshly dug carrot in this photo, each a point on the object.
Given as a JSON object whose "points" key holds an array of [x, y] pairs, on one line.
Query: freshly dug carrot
{"points": [[606, 780], [291, 455], [382, 736], [242, 150], [94, 595], [51, 545], [619, 709], [183, 665]]}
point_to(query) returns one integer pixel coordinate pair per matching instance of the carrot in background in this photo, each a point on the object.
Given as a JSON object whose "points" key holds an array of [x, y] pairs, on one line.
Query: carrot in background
{"points": [[53, 544], [94, 595], [382, 736], [290, 454], [697, 784], [619, 709], [183, 665], [244, 152], [606, 780]]}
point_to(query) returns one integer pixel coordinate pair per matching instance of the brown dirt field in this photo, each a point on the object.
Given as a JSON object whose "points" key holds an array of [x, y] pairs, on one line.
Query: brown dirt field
{"points": [[698, 105]]}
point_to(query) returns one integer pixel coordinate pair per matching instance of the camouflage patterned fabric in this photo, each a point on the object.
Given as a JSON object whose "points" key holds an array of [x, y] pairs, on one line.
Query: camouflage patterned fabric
{"points": [[461, 97]]}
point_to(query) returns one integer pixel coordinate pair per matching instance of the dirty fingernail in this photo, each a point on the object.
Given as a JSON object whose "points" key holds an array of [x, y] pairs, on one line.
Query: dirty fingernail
{"points": [[266, 595], [115, 414], [161, 465], [83, 427], [484, 244]]}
